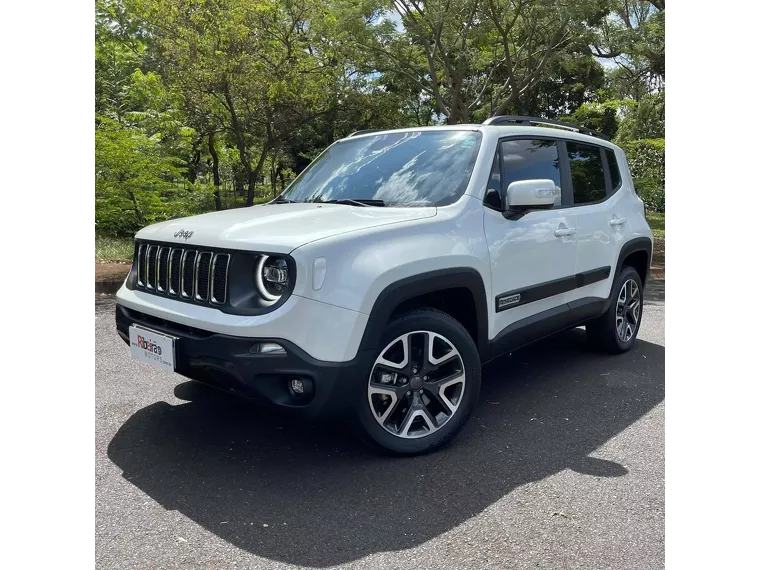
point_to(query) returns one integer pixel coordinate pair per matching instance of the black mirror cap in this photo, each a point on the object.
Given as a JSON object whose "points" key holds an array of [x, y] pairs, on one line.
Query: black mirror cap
{"points": [[493, 200]]}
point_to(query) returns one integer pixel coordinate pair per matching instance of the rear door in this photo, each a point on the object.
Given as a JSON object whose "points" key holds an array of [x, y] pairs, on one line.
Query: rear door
{"points": [[600, 219]]}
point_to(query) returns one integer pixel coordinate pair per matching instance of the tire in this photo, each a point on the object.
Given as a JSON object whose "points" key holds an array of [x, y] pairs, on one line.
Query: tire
{"points": [[605, 331], [409, 406]]}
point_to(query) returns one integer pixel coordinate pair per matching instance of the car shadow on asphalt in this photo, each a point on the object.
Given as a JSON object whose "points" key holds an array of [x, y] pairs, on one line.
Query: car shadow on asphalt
{"points": [[312, 495]]}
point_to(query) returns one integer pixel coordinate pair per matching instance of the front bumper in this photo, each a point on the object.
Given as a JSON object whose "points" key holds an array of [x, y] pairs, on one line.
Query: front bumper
{"points": [[226, 362], [325, 332]]}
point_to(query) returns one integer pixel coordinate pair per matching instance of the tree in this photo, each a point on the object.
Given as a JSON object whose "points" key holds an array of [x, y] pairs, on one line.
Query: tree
{"points": [[466, 55], [120, 49], [633, 36], [572, 79], [260, 69], [131, 173], [644, 119], [248, 92], [602, 117]]}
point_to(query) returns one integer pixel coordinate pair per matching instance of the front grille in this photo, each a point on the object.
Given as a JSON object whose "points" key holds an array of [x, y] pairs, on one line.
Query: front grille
{"points": [[188, 271], [163, 269], [175, 270], [141, 264], [202, 271], [152, 255], [193, 275], [219, 282]]}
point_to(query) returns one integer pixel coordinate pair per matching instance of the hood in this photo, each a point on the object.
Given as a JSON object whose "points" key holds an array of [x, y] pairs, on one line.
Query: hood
{"points": [[277, 228]]}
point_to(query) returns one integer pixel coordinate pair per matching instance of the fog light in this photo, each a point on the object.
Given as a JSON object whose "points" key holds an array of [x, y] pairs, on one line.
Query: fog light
{"points": [[296, 384], [267, 348]]}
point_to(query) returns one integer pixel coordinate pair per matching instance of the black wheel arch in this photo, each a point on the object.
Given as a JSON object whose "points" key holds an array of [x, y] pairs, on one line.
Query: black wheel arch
{"points": [[399, 292], [637, 244]]}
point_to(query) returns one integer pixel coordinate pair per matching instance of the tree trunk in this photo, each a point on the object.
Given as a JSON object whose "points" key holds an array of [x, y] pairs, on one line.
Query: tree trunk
{"points": [[507, 102], [237, 131], [459, 114], [138, 211], [277, 177], [254, 175], [192, 167], [215, 170]]}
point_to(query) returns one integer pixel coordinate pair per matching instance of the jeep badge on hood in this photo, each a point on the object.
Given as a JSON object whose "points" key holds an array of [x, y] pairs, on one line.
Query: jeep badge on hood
{"points": [[186, 235]]}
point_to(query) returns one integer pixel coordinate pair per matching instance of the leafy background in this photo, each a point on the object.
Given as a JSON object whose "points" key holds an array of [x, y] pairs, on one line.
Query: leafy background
{"points": [[203, 105]]}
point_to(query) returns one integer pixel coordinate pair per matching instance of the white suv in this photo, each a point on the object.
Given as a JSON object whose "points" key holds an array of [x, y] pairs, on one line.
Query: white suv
{"points": [[394, 266]]}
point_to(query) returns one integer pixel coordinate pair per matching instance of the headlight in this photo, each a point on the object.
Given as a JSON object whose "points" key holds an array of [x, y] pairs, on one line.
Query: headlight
{"points": [[272, 279]]}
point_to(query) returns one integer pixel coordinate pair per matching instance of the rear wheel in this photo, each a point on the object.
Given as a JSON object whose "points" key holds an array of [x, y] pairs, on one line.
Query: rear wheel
{"points": [[423, 384], [616, 330]]}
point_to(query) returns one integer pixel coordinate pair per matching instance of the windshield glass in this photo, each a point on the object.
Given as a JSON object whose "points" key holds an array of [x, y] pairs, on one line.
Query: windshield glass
{"points": [[421, 168]]}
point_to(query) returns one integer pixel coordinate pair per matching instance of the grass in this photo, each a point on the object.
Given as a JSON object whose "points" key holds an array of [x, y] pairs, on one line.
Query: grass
{"points": [[113, 249], [657, 223]]}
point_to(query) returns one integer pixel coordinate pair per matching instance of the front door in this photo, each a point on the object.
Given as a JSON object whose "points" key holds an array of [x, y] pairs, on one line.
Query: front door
{"points": [[532, 257]]}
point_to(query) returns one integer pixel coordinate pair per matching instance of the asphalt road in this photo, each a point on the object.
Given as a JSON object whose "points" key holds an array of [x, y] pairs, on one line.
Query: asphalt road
{"points": [[561, 466]]}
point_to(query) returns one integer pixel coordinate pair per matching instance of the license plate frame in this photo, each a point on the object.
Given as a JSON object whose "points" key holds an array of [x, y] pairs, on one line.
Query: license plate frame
{"points": [[153, 347]]}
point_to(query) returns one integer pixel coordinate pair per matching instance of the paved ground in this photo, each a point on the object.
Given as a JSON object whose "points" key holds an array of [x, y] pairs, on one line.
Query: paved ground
{"points": [[562, 466]]}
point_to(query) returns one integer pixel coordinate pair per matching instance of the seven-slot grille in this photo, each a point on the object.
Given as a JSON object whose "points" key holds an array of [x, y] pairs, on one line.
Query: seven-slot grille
{"points": [[193, 274]]}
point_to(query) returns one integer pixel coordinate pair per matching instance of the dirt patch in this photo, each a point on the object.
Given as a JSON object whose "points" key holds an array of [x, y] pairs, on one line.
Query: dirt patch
{"points": [[657, 270], [111, 271]]}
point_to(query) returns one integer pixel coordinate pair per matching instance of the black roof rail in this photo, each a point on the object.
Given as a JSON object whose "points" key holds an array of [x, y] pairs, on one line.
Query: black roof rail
{"points": [[364, 132], [538, 121]]}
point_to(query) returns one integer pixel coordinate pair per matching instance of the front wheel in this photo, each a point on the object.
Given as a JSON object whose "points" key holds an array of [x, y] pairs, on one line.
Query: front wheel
{"points": [[615, 331], [423, 384]]}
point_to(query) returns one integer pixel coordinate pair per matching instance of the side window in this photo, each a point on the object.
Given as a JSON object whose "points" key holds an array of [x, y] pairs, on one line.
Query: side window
{"points": [[530, 159], [614, 170], [587, 173]]}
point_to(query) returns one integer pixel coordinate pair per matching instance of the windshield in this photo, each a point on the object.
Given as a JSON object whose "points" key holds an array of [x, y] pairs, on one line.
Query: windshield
{"points": [[421, 168]]}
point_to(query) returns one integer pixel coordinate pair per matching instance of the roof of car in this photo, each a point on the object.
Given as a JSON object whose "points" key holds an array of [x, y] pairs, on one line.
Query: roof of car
{"points": [[508, 129]]}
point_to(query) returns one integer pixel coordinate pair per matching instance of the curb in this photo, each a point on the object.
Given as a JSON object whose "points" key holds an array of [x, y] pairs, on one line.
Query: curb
{"points": [[108, 286]]}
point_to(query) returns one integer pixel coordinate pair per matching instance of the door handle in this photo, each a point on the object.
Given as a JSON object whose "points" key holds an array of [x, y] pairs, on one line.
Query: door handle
{"points": [[564, 232], [618, 221]]}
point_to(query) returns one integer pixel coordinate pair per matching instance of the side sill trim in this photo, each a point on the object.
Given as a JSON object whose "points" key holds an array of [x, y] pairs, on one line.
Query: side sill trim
{"points": [[519, 297]]}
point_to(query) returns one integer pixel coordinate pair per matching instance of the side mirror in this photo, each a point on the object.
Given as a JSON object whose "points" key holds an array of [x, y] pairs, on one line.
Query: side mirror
{"points": [[539, 193]]}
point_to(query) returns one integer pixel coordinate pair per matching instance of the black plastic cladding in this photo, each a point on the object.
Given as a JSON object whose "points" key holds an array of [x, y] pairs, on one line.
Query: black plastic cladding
{"points": [[241, 297], [410, 287]]}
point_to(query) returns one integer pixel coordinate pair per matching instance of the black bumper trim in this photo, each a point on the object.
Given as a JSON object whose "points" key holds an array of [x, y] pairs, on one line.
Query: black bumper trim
{"points": [[226, 362]]}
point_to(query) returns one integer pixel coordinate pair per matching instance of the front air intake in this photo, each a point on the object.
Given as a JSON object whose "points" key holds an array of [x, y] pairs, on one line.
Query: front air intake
{"points": [[199, 276]]}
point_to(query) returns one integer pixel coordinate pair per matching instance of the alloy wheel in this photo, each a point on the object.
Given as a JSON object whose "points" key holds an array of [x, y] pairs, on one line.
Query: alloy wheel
{"points": [[416, 384], [628, 310]]}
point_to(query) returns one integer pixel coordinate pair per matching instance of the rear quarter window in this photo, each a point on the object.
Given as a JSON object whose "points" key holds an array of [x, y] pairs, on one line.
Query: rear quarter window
{"points": [[614, 168]]}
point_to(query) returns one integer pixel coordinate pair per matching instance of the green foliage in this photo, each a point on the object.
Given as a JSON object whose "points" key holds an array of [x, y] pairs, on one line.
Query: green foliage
{"points": [[207, 104], [646, 159], [644, 119], [570, 81], [258, 72], [602, 117], [633, 37], [135, 182], [478, 58]]}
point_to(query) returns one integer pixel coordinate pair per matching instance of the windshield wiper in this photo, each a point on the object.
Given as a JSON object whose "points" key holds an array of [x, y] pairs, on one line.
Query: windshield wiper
{"points": [[281, 200], [357, 202]]}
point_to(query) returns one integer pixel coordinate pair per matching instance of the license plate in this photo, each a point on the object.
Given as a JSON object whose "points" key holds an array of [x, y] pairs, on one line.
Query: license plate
{"points": [[152, 347]]}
